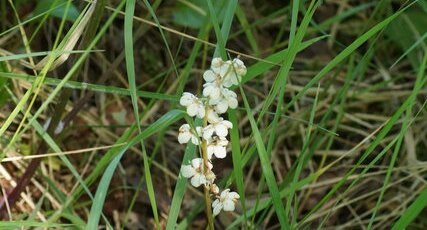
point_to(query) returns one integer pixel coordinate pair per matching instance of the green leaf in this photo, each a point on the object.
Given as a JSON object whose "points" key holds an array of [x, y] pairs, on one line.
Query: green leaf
{"points": [[59, 11], [407, 30], [193, 13]]}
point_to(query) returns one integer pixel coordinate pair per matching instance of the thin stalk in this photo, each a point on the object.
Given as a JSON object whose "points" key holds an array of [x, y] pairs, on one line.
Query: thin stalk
{"points": [[206, 169]]}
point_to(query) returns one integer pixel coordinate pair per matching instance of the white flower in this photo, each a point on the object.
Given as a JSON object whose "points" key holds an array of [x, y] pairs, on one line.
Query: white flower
{"points": [[211, 76], [212, 116], [216, 64], [186, 134], [232, 72], [228, 99], [212, 90], [193, 104], [220, 128], [227, 201], [196, 173], [217, 146]]}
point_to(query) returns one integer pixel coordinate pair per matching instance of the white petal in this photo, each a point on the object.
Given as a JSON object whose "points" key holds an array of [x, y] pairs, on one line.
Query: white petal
{"points": [[208, 132], [212, 116], [211, 90], [238, 62], [228, 93], [199, 131], [222, 142], [227, 124], [233, 195], [216, 62], [232, 78], [227, 82], [221, 130], [196, 162], [209, 76], [198, 180], [192, 110], [184, 137], [221, 107], [184, 128], [210, 166], [241, 72], [187, 171], [240, 67], [201, 111], [207, 89], [186, 99], [232, 102], [210, 150], [220, 151], [228, 205], [224, 194], [214, 101], [217, 206], [195, 140], [224, 69]]}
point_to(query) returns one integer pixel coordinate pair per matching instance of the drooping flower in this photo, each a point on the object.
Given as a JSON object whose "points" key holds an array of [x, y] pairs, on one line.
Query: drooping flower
{"points": [[216, 64], [211, 76], [196, 172], [217, 146], [212, 90], [211, 115], [232, 72], [227, 99], [220, 128], [227, 201], [194, 105], [186, 134]]}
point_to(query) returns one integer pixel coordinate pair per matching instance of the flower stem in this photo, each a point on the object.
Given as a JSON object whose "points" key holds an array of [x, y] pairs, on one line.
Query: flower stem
{"points": [[208, 201]]}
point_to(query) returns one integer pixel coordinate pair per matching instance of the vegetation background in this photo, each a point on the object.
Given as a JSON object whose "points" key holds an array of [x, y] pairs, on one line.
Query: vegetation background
{"points": [[331, 131]]}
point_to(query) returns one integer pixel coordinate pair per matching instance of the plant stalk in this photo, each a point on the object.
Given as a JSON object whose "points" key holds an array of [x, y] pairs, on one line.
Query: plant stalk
{"points": [[208, 201]]}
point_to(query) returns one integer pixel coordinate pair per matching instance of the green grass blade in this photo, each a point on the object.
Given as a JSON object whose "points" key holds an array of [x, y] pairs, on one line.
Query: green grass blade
{"points": [[237, 160], [381, 135], [346, 52], [240, 14], [270, 61], [300, 160], [52, 95], [266, 167], [412, 211], [92, 87], [401, 135], [20, 224], [220, 48], [130, 68], [153, 14], [179, 191], [37, 54], [102, 189]]}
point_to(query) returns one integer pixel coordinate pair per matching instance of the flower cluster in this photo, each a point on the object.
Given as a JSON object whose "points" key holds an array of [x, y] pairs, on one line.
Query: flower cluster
{"points": [[217, 99]]}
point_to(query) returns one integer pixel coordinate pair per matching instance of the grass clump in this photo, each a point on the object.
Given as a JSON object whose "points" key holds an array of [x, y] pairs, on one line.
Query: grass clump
{"points": [[328, 131]]}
